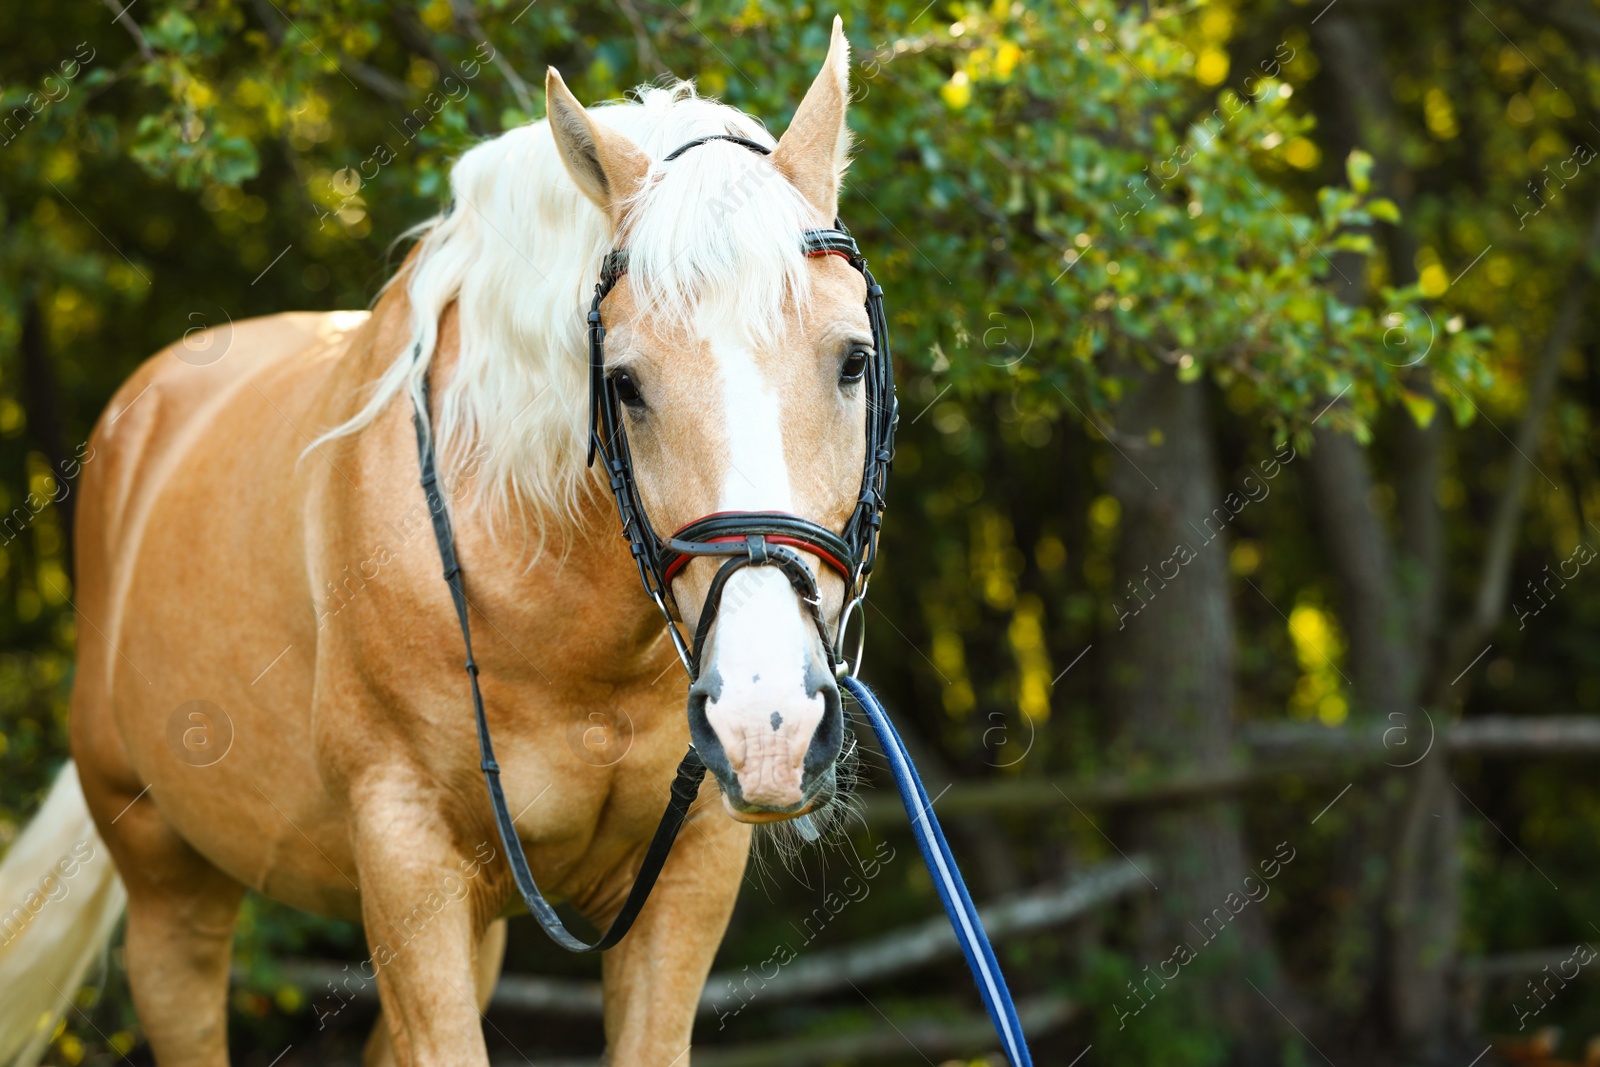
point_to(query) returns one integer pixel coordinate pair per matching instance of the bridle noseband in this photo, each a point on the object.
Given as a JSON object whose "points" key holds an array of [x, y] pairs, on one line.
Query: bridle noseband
{"points": [[751, 538], [746, 538]]}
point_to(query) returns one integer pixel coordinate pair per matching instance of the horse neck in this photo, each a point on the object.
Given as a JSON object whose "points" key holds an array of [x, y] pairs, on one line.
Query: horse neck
{"points": [[533, 566]]}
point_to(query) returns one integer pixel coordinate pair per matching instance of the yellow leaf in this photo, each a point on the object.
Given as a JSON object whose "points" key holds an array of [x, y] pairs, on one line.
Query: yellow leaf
{"points": [[1440, 116], [1433, 280], [957, 92], [1006, 58], [438, 16], [1217, 23], [1302, 154], [1105, 512], [1211, 66]]}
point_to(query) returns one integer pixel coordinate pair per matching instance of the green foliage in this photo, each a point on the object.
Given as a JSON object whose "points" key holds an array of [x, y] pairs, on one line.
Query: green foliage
{"points": [[1134, 215], [1173, 1026]]}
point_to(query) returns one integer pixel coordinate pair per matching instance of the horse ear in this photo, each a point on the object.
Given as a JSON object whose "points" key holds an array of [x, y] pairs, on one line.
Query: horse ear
{"points": [[608, 167], [815, 149]]}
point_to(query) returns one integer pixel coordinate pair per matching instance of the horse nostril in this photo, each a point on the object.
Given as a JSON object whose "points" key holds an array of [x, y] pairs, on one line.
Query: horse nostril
{"points": [[706, 688], [828, 740]]}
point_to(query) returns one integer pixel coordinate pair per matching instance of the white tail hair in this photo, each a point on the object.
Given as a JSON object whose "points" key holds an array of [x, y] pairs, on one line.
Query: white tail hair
{"points": [[60, 899]]}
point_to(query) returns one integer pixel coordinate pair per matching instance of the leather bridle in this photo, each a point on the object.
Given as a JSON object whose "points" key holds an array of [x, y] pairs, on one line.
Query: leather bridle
{"points": [[751, 538], [745, 538]]}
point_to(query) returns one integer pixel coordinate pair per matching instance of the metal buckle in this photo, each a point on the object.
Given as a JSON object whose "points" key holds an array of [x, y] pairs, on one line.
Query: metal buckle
{"points": [[856, 606]]}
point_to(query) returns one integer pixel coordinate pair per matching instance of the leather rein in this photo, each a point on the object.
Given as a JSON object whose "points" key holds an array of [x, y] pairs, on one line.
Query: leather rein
{"points": [[745, 538]]}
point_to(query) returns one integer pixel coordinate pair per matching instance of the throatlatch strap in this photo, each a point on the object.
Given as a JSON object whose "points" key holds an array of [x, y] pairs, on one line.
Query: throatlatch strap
{"points": [[685, 786]]}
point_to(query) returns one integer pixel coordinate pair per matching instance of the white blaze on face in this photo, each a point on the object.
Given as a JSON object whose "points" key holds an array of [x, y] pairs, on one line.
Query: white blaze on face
{"points": [[762, 715], [757, 478]]}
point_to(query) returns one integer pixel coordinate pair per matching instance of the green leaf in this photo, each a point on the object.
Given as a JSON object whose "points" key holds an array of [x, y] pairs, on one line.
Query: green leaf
{"points": [[1422, 408], [232, 159], [1384, 208], [1358, 169], [172, 32], [1352, 242]]}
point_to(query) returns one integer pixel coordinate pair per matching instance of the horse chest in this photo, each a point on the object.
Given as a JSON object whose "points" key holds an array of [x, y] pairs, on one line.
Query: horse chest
{"points": [[584, 823]]}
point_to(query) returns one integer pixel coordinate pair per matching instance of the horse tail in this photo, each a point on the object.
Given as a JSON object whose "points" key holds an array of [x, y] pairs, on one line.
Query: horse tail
{"points": [[60, 899]]}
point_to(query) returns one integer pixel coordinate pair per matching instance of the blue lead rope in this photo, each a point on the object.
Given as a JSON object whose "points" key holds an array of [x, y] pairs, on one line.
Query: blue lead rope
{"points": [[952, 890]]}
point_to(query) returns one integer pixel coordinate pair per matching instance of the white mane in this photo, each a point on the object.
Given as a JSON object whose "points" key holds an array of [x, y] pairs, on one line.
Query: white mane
{"points": [[716, 231]]}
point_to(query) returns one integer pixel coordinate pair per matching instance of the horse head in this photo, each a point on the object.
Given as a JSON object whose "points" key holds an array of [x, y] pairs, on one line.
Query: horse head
{"points": [[734, 363]]}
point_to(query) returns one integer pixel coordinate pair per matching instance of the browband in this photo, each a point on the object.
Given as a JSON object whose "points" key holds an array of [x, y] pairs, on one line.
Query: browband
{"points": [[812, 242]]}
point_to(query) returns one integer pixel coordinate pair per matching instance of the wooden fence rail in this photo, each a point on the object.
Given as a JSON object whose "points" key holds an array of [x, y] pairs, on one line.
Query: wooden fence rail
{"points": [[952, 1034], [832, 970], [814, 974], [1272, 752]]}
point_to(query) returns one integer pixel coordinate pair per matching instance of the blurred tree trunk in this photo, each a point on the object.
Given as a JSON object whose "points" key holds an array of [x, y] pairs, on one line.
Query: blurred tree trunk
{"points": [[1425, 918], [1405, 920], [1172, 689], [1409, 914]]}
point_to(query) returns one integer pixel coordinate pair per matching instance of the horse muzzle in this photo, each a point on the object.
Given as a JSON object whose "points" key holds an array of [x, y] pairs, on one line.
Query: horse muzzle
{"points": [[773, 745]]}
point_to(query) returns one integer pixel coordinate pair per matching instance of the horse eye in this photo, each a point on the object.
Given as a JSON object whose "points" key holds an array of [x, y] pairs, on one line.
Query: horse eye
{"points": [[855, 366], [627, 389]]}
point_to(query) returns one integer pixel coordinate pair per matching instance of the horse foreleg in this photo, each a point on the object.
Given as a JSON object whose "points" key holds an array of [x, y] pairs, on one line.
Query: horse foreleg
{"points": [[427, 900], [181, 913], [491, 952], [654, 977]]}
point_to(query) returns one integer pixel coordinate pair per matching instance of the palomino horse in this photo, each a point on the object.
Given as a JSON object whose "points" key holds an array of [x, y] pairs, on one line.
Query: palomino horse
{"points": [[269, 690]]}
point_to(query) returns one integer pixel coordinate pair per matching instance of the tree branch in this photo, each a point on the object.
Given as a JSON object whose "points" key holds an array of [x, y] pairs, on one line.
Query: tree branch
{"points": [[386, 86], [466, 16], [133, 29], [649, 58]]}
